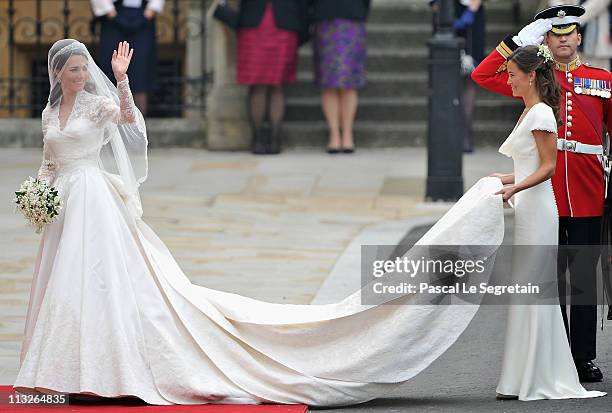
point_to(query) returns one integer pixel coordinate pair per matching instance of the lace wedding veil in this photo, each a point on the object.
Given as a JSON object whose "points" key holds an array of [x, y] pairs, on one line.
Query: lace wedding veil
{"points": [[124, 149]]}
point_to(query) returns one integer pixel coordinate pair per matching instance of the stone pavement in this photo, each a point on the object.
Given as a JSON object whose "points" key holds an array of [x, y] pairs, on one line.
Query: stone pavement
{"points": [[274, 228]]}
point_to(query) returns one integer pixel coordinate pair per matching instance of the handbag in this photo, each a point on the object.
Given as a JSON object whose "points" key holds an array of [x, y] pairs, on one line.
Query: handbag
{"points": [[226, 14]]}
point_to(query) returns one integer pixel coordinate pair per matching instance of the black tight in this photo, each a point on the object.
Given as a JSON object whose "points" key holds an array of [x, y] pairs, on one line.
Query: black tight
{"points": [[266, 102]]}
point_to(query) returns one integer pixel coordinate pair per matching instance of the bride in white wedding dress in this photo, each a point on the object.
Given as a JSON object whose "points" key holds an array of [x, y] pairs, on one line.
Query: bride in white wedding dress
{"points": [[112, 314]]}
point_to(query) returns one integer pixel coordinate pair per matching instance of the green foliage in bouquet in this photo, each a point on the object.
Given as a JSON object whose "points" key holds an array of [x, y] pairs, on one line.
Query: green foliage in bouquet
{"points": [[38, 202]]}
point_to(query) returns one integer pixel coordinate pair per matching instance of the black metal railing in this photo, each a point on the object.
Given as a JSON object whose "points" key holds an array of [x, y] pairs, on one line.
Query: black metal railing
{"points": [[29, 27]]}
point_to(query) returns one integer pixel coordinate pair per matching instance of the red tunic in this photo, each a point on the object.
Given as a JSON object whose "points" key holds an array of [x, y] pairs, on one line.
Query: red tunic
{"points": [[578, 182]]}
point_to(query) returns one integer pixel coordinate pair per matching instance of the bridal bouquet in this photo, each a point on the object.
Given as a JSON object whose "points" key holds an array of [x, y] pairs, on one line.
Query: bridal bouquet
{"points": [[38, 202]]}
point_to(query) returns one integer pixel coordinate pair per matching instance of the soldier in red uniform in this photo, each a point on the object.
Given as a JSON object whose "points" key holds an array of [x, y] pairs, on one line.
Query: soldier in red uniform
{"points": [[578, 183]]}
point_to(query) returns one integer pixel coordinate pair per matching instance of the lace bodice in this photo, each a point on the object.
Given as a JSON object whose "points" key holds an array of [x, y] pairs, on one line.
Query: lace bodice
{"points": [[80, 140]]}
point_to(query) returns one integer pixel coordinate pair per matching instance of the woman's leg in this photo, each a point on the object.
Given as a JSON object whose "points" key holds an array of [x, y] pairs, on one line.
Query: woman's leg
{"points": [[348, 109], [330, 99], [258, 96], [276, 116]]}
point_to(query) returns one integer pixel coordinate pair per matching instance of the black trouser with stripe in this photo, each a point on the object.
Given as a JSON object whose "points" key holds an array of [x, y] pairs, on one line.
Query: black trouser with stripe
{"points": [[582, 264]]}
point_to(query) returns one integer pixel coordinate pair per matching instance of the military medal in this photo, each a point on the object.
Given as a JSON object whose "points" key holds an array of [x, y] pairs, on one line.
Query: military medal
{"points": [[605, 92], [578, 85], [587, 87]]}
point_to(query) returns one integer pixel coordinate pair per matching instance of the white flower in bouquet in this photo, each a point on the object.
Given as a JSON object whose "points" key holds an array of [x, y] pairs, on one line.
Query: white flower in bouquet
{"points": [[38, 202]]}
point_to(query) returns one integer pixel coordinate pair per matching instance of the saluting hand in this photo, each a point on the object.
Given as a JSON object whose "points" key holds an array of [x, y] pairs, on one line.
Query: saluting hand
{"points": [[121, 60], [533, 33]]}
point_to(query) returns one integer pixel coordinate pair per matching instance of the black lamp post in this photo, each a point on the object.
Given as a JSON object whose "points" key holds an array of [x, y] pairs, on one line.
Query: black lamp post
{"points": [[445, 131]]}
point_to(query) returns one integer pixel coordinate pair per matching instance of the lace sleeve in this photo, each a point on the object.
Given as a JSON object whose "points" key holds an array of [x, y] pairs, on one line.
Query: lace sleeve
{"points": [[124, 113], [49, 165], [45, 121], [126, 102]]}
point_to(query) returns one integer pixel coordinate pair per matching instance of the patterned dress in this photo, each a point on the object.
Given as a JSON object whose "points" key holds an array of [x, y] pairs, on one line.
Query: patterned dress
{"points": [[340, 54]]}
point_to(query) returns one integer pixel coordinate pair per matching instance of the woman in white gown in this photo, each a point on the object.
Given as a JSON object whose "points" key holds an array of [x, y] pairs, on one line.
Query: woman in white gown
{"points": [[537, 360], [112, 314]]}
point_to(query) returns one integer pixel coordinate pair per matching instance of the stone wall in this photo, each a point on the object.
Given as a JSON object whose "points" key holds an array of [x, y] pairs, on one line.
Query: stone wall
{"points": [[227, 117]]}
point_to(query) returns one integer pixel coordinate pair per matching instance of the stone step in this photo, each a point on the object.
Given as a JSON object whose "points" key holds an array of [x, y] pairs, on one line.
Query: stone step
{"points": [[397, 35], [401, 59], [405, 109], [381, 60], [413, 13], [387, 135], [162, 132], [380, 84], [400, 35], [296, 133]]}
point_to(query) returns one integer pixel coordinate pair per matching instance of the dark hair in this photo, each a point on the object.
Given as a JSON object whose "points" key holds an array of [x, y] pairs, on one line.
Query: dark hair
{"points": [[549, 90], [58, 64]]}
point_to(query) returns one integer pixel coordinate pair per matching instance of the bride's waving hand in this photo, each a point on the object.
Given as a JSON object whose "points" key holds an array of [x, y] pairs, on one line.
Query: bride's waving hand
{"points": [[121, 60]]}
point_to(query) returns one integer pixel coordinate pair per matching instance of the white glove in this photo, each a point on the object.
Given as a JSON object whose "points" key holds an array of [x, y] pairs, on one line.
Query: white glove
{"points": [[533, 33]]}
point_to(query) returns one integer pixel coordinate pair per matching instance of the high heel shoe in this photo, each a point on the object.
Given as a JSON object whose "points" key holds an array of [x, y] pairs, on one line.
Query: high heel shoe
{"points": [[332, 151], [348, 149]]}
